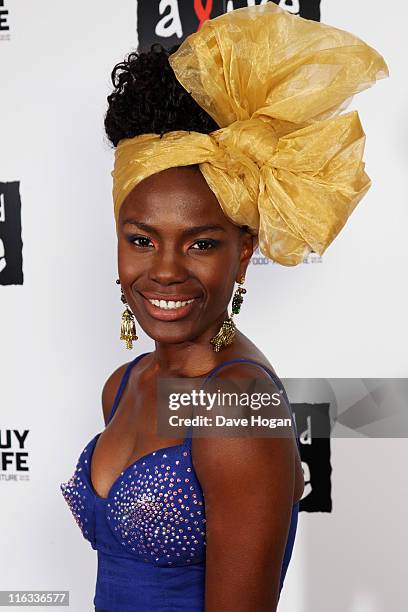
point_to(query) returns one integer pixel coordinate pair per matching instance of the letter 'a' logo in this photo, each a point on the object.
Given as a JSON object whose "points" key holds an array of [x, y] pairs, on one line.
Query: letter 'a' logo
{"points": [[169, 22]]}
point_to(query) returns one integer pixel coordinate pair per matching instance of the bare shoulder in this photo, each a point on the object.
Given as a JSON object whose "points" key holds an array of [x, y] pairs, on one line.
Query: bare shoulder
{"points": [[247, 378], [110, 388], [246, 349], [251, 376], [113, 381], [243, 369], [270, 463]]}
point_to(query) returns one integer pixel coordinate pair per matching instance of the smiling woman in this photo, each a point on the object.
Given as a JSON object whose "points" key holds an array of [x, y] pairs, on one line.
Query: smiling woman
{"points": [[214, 153], [194, 256]]}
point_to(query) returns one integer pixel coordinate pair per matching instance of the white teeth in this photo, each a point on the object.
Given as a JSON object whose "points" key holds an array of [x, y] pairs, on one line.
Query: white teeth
{"points": [[170, 305]]}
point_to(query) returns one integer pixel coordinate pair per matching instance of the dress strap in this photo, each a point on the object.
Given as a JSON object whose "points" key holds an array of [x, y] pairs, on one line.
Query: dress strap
{"points": [[123, 383], [275, 379]]}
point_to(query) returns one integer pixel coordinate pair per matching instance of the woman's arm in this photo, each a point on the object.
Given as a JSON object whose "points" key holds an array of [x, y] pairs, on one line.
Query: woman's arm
{"points": [[248, 485]]}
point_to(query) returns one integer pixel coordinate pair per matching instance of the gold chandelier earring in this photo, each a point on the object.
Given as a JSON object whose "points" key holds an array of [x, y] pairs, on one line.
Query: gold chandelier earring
{"points": [[226, 335], [127, 327]]}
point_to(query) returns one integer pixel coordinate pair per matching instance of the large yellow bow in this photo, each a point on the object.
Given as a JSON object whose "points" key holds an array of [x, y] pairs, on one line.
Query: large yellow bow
{"points": [[284, 161]]}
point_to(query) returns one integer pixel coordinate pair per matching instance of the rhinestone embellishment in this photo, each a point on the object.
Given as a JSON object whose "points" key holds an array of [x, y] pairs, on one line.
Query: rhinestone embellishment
{"points": [[155, 509], [158, 513], [76, 494]]}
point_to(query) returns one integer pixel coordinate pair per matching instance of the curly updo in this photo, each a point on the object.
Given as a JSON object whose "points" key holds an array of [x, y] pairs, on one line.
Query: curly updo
{"points": [[147, 98]]}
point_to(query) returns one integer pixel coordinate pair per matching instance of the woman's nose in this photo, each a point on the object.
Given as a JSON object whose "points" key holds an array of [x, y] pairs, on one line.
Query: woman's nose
{"points": [[168, 267]]}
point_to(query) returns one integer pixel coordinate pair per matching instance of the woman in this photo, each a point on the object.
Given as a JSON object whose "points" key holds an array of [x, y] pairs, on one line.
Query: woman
{"points": [[218, 146]]}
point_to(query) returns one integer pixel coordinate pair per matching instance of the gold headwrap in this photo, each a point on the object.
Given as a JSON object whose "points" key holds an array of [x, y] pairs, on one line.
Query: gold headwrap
{"points": [[284, 161]]}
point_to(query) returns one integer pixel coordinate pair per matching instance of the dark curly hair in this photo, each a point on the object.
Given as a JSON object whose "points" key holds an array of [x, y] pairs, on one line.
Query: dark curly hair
{"points": [[147, 98]]}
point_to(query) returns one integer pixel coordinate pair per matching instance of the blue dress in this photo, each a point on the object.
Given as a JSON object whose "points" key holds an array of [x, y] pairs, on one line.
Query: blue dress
{"points": [[149, 533]]}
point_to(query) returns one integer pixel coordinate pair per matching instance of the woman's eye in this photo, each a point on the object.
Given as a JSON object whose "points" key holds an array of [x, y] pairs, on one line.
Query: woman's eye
{"points": [[205, 245], [140, 241]]}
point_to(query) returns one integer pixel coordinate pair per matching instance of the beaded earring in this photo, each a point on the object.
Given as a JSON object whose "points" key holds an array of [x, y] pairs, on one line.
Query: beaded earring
{"points": [[127, 327], [226, 334]]}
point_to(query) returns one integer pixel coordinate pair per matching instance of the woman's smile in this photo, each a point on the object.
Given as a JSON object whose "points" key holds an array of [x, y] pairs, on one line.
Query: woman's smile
{"points": [[172, 308]]}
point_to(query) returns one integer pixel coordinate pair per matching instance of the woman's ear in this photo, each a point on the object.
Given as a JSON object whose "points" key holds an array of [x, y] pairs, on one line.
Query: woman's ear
{"points": [[248, 245]]}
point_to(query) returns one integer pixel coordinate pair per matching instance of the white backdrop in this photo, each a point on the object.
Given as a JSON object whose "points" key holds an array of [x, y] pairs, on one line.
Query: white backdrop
{"points": [[344, 317]]}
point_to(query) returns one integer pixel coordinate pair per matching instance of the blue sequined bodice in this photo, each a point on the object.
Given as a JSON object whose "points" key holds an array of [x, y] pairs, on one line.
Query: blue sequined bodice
{"points": [[153, 517], [155, 508]]}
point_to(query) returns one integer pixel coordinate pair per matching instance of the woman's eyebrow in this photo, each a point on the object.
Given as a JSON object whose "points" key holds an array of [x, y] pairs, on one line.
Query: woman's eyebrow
{"points": [[197, 229], [140, 225]]}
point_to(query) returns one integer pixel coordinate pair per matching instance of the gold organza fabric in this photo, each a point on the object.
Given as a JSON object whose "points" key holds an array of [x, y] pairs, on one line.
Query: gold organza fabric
{"points": [[284, 162]]}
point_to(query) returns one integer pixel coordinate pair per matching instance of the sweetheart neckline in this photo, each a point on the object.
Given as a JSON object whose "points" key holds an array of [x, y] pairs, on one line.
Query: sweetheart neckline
{"points": [[92, 443]]}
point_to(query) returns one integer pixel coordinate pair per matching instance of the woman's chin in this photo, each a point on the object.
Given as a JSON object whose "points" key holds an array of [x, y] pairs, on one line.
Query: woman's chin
{"points": [[170, 332]]}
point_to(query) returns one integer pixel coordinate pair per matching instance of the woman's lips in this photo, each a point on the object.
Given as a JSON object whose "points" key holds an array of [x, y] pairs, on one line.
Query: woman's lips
{"points": [[171, 314]]}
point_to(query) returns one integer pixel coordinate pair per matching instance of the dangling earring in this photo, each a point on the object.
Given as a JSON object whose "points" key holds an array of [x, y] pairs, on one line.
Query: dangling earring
{"points": [[127, 327], [226, 335]]}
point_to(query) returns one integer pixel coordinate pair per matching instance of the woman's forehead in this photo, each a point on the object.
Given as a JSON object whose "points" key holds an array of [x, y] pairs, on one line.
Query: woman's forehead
{"points": [[174, 195]]}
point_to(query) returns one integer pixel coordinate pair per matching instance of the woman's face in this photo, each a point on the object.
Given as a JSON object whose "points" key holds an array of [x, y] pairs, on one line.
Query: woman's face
{"points": [[176, 244]]}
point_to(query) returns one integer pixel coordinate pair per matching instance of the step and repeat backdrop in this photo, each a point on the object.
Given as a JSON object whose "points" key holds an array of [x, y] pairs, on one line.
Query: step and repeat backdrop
{"points": [[334, 327]]}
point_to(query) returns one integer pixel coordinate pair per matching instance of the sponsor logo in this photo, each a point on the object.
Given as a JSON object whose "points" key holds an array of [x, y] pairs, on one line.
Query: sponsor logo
{"points": [[13, 455], [4, 21], [258, 259], [170, 21]]}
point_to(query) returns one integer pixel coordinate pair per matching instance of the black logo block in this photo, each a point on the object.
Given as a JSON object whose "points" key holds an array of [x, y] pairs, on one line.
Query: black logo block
{"points": [[11, 244], [313, 427]]}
